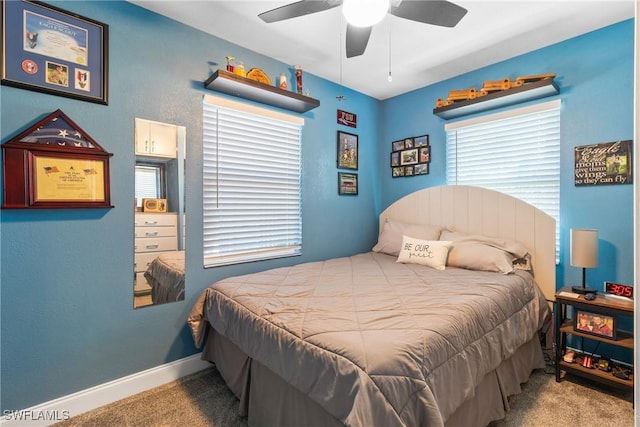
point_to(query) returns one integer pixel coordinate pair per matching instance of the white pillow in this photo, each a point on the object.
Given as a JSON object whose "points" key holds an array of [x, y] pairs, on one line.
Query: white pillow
{"points": [[390, 239], [476, 256], [478, 252], [432, 253]]}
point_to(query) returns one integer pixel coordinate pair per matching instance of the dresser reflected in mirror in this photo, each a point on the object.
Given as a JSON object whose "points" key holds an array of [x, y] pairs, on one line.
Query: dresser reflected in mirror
{"points": [[159, 243]]}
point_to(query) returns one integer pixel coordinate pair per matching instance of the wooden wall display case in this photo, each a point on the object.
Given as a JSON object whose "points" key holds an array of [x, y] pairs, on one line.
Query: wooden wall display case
{"points": [[54, 164]]}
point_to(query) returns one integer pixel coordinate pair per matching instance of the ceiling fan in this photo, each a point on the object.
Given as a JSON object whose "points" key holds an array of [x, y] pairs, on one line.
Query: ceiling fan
{"points": [[441, 13]]}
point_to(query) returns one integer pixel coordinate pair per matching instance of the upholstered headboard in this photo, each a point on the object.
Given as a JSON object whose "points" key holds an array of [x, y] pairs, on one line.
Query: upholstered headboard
{"points": [[482, 211]]}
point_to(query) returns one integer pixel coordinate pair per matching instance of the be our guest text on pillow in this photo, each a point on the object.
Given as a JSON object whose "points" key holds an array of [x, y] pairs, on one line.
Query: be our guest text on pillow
{"points": [[432, 253]]}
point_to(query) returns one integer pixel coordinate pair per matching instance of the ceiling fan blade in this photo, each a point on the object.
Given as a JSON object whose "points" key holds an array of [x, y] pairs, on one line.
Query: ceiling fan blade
{"points": [[299, 8], [357, 39], [442, 13]]}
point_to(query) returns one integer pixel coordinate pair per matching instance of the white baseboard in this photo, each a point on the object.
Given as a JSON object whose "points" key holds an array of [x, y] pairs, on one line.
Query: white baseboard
{"points": [[63, 408]]}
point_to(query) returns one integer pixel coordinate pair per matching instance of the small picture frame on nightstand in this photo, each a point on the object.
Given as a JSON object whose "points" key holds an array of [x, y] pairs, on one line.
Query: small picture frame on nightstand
{"points": [[596, 324]]}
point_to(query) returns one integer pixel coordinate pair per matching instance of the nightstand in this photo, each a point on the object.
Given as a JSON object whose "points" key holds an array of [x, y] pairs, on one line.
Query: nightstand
{"points": [[563, 326]]}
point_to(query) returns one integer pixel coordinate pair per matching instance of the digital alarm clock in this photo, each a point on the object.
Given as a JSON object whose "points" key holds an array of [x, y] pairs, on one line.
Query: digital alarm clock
{"points": [[618, 289]]}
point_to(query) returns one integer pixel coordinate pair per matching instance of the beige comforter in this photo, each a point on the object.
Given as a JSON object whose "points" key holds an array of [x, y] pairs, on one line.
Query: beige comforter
{"points": [[372, 341], [165, 275]]}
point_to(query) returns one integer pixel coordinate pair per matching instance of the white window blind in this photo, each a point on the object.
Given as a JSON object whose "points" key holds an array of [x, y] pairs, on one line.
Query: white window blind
{"points": [[252, 170], [149, 182], [517, 153]]}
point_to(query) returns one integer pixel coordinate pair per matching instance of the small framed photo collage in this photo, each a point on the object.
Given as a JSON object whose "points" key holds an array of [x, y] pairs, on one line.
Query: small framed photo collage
{"points": [[410, 156]]}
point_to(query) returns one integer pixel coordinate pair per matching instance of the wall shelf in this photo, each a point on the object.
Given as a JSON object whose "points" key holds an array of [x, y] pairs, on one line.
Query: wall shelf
{"points": [[233, 84], [526, 92]]}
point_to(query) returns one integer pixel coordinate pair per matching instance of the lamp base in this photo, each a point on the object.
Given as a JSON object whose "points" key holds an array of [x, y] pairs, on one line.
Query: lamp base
{"points": [[581, 290]]}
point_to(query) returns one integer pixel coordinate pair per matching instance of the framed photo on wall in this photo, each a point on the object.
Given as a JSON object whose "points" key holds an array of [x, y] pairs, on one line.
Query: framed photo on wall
{"points": [[47, 49], [397, 145], [410, 156], [421, 141], [347, 184], [347, 144]]}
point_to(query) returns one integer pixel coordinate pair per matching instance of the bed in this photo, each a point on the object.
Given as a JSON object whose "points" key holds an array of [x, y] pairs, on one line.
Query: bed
{"points": [[165, 275], [367, 340]]}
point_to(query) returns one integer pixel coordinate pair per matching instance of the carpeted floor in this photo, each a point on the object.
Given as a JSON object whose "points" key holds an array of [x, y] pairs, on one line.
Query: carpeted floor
{"points": [[202, 399]]}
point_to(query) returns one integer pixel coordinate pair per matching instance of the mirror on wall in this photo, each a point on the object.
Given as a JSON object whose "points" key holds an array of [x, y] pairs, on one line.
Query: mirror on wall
{"points": [[159, 243]]}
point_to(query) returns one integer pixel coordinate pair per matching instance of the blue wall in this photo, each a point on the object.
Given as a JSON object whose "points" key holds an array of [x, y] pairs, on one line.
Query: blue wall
{"points": [[595, 76], [67, 297], [67, 321]]}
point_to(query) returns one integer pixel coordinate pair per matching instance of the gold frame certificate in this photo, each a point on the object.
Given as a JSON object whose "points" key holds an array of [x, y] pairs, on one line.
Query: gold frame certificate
{"points": [[68, 179]]}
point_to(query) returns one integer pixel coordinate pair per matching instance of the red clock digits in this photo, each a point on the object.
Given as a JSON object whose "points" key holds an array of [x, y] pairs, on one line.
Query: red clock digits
{"points": [[618, 289]]}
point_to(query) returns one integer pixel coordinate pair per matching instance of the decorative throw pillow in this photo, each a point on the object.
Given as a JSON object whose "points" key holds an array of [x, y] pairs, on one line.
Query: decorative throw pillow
{"points": [[432, 253], [476, 256], [390, 239], [478, 252]]}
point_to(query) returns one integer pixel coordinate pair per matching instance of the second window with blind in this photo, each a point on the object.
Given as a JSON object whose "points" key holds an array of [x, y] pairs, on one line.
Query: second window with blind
{"points": [[515, 152], [251, 192]]}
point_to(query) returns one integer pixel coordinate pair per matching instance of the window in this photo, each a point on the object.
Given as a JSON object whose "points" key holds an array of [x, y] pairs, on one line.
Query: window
{"points": [[251, 192], [150, 182], [516, 152]]}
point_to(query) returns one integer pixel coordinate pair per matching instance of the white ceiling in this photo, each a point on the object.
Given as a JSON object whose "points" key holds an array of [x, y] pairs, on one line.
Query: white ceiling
{"points": [[418, 54]]}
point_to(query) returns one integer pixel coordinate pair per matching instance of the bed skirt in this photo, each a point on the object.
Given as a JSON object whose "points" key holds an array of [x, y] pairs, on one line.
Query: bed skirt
{"points": [[266, 399]]}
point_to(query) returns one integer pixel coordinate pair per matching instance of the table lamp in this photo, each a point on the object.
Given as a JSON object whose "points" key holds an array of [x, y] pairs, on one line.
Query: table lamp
{"points": [[584, 253]]}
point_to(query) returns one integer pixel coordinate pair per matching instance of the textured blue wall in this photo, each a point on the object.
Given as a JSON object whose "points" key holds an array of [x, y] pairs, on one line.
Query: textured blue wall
{"points": [[67, 297], [67, 321], [595, 76]]}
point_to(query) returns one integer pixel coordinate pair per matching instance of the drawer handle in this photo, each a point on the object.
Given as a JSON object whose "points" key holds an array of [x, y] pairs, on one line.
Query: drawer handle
{"points": [[151, 234], [152, 246], [151, 222]]}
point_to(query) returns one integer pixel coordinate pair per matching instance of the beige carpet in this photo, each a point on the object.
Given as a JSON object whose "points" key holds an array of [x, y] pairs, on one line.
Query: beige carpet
{"points": [[203, 399]]}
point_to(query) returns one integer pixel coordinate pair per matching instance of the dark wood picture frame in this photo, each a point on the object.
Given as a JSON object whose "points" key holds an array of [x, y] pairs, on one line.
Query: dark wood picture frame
{"points": [[50, 50], [593, 323], [54, 164], [347, 184], [347, 150]]}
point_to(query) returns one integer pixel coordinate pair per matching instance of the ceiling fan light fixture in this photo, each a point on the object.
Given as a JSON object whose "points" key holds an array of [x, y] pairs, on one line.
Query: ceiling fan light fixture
{"points": [[364, 13]]}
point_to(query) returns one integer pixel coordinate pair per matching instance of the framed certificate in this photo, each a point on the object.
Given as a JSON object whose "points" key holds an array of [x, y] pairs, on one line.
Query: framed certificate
{"points": [[50, 50], [55, 164], [67, 178]]}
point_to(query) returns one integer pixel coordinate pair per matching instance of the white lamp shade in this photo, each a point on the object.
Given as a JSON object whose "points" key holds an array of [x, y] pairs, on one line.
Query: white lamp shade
{"points": [[584, 247]]}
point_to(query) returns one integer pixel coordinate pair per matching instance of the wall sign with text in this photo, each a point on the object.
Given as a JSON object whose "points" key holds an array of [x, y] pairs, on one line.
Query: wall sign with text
{"points": [[346, 118], [603, 164]]}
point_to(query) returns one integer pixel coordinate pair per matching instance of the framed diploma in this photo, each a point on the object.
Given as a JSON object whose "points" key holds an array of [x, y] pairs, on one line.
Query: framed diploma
{"points": [[50, 50], [68, 179], [55, 164]]}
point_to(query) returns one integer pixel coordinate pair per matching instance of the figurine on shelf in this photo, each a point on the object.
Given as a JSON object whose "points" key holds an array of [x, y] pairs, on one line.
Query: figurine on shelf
{"points": [[298, 78], [238, 69], [230, 60], [282, 83]]}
